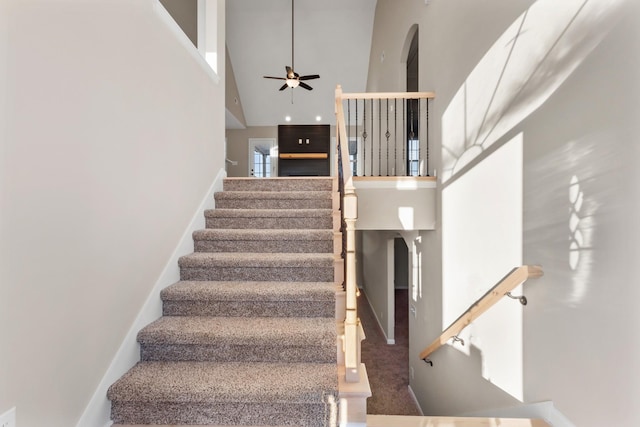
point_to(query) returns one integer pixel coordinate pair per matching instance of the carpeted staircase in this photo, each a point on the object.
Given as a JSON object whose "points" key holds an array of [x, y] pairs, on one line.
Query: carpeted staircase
{"points": [[248, 335]]}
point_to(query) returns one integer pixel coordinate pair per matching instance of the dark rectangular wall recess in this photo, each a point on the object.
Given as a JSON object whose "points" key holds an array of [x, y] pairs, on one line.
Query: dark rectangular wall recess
{"points": [[304, 150]]}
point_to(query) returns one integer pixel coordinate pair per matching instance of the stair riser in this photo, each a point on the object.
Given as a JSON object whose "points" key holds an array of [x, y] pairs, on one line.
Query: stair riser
{"points": [[239, 353], [240, 413], [274, 203], [280, 274], [274, 246], [278, 185], [250, 309], [318, 223]]}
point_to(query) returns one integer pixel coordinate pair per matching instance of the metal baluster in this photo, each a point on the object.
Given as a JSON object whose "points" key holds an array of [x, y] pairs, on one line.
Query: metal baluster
{"points": [[379, 137], [349, 132], [387, 135], [395, 136], [411, 132], [364, 138], [357, 154], [404, 135], [427, 131], [372, 137], [419, 142]]}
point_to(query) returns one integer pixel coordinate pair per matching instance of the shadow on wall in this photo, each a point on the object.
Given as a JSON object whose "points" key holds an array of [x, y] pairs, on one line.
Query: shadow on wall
{"points": [[457, 368], [522, 69]]}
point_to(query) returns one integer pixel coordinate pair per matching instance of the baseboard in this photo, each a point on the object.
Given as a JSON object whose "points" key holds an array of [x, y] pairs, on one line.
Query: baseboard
{"points": [[541, 410], [415, 400], [375, 316], [98, 411]]}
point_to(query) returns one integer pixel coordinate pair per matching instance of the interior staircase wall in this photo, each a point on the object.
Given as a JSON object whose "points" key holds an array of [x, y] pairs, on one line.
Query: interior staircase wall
{"points": [[580, 139], [108, 148]]}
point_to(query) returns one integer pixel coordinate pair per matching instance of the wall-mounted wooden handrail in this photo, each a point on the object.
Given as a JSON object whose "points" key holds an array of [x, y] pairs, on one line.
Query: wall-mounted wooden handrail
{"points": [[515, 277]]}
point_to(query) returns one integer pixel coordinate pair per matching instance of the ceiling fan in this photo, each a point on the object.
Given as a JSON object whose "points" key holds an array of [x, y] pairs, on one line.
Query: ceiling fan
{"points": [[293, 79]]}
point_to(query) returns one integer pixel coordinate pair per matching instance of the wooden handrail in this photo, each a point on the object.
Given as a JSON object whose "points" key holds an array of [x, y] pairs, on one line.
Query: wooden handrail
{"points": [[515, 277], [389, 95]]}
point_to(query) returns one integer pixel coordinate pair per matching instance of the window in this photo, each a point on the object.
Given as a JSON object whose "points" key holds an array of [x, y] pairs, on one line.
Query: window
{"points": [[261, 164], [413, 157]]}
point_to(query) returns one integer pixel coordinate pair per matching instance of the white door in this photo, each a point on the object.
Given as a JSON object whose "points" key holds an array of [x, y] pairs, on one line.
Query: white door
{"points": [[263, 157]]}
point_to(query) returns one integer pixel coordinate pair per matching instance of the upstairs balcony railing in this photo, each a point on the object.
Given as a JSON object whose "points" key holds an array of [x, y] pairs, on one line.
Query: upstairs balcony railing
{"points": [[387, 133]]}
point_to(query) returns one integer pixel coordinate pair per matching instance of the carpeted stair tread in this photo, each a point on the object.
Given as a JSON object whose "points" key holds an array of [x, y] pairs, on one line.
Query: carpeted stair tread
{"points": [[279, 184], [310, 331], [272, 218], [217, 382], [262, 234], [268, 213], [274, 195], [249, 291], [252, 298], [286, 200], [260, 240], [256, 260]]}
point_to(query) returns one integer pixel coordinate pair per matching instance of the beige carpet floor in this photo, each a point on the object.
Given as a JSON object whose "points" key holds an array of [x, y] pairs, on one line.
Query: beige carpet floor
{"points": [[387, 365]]}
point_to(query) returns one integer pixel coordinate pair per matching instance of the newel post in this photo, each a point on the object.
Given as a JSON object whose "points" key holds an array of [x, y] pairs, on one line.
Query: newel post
{"points": [[351, 324]]}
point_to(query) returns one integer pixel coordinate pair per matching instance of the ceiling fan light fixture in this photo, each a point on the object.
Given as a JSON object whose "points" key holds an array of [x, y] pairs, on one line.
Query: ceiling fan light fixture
{"points": [[293, 83]]}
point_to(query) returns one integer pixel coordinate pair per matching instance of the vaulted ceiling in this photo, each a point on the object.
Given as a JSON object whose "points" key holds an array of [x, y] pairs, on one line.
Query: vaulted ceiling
{"points": [[332, 39]]}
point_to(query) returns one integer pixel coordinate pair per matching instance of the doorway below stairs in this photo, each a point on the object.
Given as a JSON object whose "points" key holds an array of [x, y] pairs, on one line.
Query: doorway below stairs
{"points": [[387, 364]]}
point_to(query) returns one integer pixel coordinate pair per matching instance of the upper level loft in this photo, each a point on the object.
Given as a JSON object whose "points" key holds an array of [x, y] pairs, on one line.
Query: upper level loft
{"points": [[385, 137]]}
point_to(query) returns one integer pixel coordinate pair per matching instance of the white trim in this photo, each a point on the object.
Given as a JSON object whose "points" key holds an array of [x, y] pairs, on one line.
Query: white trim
{"points": [[415, 400], [397, 183], [543, 410], [389, 341], [98, 411]]}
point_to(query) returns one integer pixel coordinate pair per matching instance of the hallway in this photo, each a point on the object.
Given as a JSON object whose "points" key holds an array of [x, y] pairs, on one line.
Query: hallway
{"points": [[387, 365]]}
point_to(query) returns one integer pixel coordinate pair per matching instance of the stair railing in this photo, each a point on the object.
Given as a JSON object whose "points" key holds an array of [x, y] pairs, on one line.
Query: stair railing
{"points": [[503, 288], [387, 132], [349, 209], [381, 134]]}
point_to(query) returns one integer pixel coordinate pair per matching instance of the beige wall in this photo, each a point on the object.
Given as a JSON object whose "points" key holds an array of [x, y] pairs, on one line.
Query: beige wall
{"points": [[233, 103], [238, 146], [578, 117], [109, 147], [185, 13]]}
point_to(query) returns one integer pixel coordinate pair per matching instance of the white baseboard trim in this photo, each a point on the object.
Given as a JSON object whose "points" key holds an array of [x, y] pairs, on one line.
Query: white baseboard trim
{"points": [[415, 400], [98, 411], [387, 339], [542, 410]]}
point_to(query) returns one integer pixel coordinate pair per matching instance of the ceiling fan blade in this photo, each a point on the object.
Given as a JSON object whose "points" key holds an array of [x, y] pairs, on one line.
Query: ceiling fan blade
{"points": [[306, 86], [284, 86], [310, 77], [276, 78]]}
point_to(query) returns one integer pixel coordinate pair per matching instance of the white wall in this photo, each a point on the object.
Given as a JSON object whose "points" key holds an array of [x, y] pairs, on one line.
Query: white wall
{"points": [[377, 280], [570, 87], [114, 133]]}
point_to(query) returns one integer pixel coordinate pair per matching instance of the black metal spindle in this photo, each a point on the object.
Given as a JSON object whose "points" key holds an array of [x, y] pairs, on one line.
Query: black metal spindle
{"points": [[427, 132], [387, 134], [419, 136], [395, 135], [372, 137], [379, 137], [404, 137], [364, 138]]}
